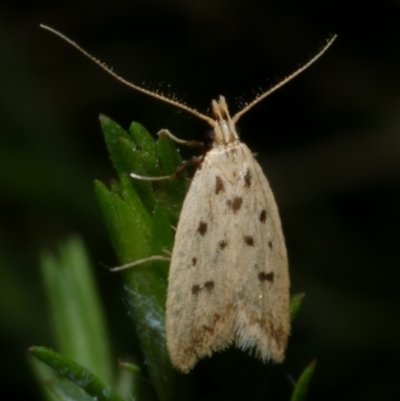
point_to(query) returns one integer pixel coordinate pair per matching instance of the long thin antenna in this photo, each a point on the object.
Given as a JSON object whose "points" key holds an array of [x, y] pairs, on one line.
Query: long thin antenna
{"points": [[182, 106], [127, 83], [258, 99]]}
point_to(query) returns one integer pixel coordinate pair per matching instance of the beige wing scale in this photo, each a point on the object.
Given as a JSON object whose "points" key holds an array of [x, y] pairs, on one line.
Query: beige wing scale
{"points": [[228, 280], [262, 320]]}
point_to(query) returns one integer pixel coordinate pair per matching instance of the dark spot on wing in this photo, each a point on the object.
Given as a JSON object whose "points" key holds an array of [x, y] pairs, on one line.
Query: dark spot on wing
{"points": [[209, 285], [219, 185], [194, 261], [202, 228], [201, 334], [249, 240], [196, 289], [208, 329], [222, 244], [270, 244], [263, 216], [263, 276], [235, 204], [247, 178]]}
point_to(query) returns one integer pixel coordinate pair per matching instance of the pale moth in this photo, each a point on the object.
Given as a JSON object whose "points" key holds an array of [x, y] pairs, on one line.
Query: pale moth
{"points": [[228, 281]]}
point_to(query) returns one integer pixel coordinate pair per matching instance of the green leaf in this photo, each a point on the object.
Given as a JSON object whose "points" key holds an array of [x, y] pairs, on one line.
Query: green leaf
{"points": [[115, 137], [130, 153], [75, 307], [128, 223], [162, 235], [53, 386], [75, 372], [301, 388], [139, 228], [295, 304], [172, 196], [145, 143]]}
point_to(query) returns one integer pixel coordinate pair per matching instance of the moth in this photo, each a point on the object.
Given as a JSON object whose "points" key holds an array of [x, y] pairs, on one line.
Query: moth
{"points": [[228, 280]]}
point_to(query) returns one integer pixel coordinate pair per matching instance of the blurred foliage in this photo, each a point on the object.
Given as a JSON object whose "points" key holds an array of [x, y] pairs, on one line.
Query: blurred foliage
{"points": [[328, 142]]}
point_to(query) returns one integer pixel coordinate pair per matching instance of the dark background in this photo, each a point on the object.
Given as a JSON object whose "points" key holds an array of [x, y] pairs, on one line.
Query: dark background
{"points": [[329, 143]]}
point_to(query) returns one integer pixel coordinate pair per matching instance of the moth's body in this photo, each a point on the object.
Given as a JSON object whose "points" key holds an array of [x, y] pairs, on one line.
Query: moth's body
{"points": [[228, 279]]}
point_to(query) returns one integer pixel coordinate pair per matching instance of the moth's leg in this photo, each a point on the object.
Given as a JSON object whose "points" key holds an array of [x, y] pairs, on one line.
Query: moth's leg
{"points": [[140, 262], [195, 160], [191, 144], [191, 162]]}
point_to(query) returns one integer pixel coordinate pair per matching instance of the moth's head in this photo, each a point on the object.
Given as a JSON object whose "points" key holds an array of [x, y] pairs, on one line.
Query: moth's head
{"points": [[224, 127]]}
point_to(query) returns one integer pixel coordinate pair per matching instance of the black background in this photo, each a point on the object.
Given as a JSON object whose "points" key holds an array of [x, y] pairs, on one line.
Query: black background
{"points": [[329, 143]]}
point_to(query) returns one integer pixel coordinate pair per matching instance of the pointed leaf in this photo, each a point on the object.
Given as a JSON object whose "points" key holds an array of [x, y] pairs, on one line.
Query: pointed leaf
{"points": [[301, 389], [128, 224], [144, 141], [75, 307], [75, 372], [114, 134], [295, 304]]}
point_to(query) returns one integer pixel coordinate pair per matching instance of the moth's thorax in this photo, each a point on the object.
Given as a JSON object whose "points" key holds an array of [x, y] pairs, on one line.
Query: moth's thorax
{"points": [[224, 128]]}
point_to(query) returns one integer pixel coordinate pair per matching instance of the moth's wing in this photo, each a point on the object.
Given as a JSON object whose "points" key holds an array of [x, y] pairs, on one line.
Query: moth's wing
{"points": [[200, 313], [262, 320], [226, 284]]}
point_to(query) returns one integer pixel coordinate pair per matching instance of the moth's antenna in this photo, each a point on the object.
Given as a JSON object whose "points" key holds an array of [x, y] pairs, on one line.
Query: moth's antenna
{"points": [[182, 106], [258, 99], [129, 84]]}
